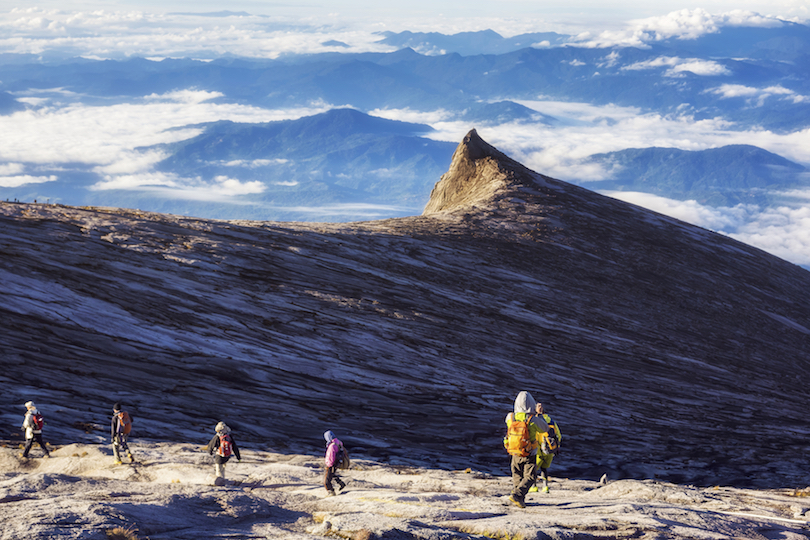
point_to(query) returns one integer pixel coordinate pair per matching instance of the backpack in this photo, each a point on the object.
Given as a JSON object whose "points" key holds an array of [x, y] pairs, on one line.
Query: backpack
{"points": [[550, 443], [124, 423], [518, 439], [343, 459], [225, 445], [38, 421]]}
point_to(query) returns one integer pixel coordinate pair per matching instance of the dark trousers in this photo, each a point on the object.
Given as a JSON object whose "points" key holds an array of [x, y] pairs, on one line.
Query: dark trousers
{"points": [[524, 475], [30, 442], [330, 474], [120, 445]]}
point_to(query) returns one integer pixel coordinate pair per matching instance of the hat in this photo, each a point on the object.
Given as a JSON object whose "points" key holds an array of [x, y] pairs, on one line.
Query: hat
{"points": [[30, 405], [117, 406], [328, 436], [222, 427]]}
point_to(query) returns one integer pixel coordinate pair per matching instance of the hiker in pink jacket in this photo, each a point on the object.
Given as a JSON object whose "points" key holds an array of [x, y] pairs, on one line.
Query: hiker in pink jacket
{"points": [[334, 459]]}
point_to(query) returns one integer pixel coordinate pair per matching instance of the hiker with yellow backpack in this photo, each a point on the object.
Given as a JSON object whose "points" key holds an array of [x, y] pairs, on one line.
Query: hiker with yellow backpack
{"points": [[549, 447], [523, 436]]}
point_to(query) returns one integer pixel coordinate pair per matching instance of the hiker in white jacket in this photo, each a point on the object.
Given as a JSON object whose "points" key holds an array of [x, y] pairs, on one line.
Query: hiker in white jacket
{"points": [[32, 424]]}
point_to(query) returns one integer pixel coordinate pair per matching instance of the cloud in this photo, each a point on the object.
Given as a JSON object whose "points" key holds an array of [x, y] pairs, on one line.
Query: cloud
{"points": [[107, 34], [252, 164], [782, 231], [683, 24], [7, 169], [21, 180], [174, 186], [677, 66], [756, 96], [107, 136]]}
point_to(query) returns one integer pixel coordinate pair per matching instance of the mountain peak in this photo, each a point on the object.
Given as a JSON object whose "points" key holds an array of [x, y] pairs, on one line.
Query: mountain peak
{"points": [[477, 173]]}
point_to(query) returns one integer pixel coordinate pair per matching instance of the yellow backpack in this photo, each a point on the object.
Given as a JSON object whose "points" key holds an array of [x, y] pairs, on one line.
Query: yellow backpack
{"points": [[518, 441]]}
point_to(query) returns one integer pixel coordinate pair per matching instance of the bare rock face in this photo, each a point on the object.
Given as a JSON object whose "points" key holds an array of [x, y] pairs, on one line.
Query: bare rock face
{"points": [[477, 174], [661, 348]]}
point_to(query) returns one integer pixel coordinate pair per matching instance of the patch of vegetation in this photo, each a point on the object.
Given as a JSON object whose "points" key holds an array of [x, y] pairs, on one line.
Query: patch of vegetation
{"points": [[123, 533]]}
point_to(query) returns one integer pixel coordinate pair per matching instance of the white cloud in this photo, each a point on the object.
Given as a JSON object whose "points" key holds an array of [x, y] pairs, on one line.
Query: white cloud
{"points": [[677, 66], [121, 34], [682, 24], [21, 180], [7, 169], [174, 186], [106, 137], [756, 96], [252, 164], [782, 231], [188, 96]]}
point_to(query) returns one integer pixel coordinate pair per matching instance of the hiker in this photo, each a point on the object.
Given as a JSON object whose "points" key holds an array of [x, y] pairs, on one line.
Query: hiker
{"points": [[524, 431], [549, 447], [119, 433], [33, 424], [224, 445], [335, 458]]}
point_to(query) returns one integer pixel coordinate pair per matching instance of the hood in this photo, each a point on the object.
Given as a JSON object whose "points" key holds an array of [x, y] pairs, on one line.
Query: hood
{"points": [[222, 428], [524, 403], [328, 436]]}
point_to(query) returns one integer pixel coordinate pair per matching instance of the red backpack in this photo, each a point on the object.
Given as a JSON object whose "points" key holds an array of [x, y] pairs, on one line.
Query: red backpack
{"points": [[225, 445], [124, 423], [38, 421]]}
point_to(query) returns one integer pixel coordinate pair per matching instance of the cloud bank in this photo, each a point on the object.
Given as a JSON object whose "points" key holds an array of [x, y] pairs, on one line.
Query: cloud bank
{"points": [[683, 24], [782, 231]]}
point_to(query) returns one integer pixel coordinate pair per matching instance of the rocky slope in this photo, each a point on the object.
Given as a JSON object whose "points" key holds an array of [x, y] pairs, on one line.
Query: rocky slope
{"points": [[664, 350], [168, 495]]}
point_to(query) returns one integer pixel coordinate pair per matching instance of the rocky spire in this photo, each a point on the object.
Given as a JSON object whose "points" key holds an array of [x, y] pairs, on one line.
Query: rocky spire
{"points": [[477, 172]]}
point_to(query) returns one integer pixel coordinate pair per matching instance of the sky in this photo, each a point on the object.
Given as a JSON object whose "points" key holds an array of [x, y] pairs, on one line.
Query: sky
{"points": [[508, 17]]}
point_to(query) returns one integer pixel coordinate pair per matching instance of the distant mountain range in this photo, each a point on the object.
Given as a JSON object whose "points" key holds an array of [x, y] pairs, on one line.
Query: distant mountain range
{"points": [[470, 43], [723, 176], [671, 76], [341, 156], [345, 165]]}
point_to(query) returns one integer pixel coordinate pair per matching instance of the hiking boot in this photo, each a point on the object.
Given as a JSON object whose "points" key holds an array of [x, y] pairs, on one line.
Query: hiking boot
{"points": [[118, 462], [517, 501], [131, 459], [330, 494], [545, 489], [341, 486], [533, 489]]}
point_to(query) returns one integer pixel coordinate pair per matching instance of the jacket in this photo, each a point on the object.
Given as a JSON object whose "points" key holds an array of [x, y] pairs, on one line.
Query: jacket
{"points": [[28, 424], [552, 426], [523, 409], [213, 445], [334, 450], [115, 428]]}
